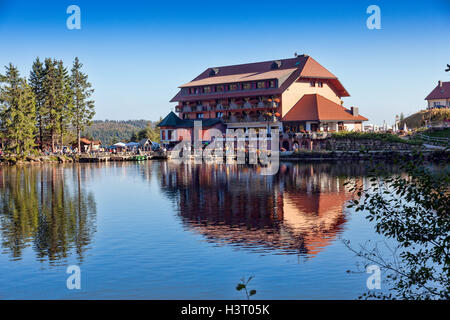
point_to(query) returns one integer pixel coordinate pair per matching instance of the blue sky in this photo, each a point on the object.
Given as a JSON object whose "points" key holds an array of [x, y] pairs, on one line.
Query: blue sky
{"points": [[137, 53]]}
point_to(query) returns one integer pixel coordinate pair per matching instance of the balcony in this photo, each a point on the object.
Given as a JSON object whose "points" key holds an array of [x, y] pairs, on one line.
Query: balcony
{"points": [[249, 118]]}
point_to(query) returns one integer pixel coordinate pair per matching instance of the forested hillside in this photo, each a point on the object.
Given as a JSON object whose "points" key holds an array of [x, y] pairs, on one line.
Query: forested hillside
{"points": [[112, 131]]}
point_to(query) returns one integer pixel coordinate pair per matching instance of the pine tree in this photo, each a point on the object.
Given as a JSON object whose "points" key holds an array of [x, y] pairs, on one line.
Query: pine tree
{"points": [[64, 100], [52, 114], [133, 137], [83, 108], [17, 111], [36, 81]]}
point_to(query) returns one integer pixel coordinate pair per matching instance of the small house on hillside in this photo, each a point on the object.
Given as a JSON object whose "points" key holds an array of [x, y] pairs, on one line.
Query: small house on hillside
{"points": [[440, 96]]}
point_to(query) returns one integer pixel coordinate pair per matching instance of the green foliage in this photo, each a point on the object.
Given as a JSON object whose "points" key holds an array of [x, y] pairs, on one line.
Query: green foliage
{"points": [[83, 107], [134, 137], [411, 208], [36, 80], [17, 112], [113, 131], [243, 285], [444, 133], [387, 137]]}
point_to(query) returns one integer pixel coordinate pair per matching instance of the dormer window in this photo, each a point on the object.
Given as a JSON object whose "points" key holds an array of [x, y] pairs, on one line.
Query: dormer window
{"points": [[213, 71], [312, 83], [276, 64], [320, 84]]}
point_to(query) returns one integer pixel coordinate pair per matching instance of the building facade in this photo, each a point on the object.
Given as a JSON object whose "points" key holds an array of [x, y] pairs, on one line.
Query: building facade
{"points": [[293, 95], [440, 96]]}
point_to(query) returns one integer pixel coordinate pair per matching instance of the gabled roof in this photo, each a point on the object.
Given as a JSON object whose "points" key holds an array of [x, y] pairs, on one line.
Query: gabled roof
{"points": [[440, 92], [316, 107], [87, 141], [174, 121], [286, 71]]}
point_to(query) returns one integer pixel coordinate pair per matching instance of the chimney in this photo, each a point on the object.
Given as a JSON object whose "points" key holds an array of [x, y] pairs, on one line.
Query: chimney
{"points": [[440, 84], [355, 111]]}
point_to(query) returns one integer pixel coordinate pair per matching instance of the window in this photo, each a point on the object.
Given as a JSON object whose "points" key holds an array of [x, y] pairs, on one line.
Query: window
{"points": [[199, 115], [247, 86], [163, 134], [206, 89], [320, 84], [312, 83], [219, 88], [272, 84], [261, 84], [233, 87], [219, 114], [169, 134]]}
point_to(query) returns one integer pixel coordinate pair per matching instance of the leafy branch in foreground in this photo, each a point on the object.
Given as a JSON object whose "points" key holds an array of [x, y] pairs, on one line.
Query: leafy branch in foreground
{"points": [[411, 208], [243, 286]]}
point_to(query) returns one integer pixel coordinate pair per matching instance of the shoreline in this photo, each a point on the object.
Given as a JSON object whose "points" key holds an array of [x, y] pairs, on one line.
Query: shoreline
{"points": [[335, 156]]}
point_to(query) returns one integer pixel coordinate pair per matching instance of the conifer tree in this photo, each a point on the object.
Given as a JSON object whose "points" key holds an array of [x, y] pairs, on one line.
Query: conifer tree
{"points": [[83, 107], [51, 100], [64, 101], [17, 111], [36, 81]]}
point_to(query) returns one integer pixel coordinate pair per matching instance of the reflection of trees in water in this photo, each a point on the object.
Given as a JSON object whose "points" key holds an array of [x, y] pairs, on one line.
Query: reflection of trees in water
{"points": [[299, 210], [45, 208]]}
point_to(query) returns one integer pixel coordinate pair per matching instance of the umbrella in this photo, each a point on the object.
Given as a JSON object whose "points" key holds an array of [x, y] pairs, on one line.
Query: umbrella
{"points": [[120, 145]]}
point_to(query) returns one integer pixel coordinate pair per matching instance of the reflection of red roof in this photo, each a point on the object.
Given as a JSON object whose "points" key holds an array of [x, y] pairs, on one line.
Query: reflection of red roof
{"points": [[316, 107], [440, 92], [286, 72]]}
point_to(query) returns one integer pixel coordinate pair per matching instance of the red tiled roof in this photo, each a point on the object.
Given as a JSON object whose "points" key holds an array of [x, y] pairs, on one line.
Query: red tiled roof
{"points": [[286, 73], [440, 92], [87, 141], [315, 107]]}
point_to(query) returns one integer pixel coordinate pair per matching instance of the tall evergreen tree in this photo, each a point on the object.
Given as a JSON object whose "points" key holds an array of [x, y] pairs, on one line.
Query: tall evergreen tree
{"points": [[64, 101], [51, 101], [83, 107], [17, 111], [36, 81]]}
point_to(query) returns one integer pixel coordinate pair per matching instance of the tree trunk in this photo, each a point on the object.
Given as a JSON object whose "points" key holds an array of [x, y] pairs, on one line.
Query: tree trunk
{"points": [[79, 139], [53, 140], [41, 143], [62, 138]]}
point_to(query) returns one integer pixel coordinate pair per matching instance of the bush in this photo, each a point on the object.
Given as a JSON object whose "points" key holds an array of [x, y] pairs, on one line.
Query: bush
{"points": [[382, 136]]}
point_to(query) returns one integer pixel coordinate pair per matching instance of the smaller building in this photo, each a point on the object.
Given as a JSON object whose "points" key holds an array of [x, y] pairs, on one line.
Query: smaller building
{"points": [[173, 129], [314, 112], [440, 96], [89, 145]]}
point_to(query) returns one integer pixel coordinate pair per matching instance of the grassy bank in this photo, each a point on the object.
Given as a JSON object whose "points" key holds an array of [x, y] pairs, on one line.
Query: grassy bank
{"points": [[380, 136]]}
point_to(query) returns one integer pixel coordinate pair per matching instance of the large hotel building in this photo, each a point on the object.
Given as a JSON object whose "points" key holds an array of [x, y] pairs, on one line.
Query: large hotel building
{"points": [[294, 95]]}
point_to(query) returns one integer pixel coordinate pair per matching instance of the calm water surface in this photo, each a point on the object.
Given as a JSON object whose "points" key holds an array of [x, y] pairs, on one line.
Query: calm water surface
{"points": [[158, 230]]}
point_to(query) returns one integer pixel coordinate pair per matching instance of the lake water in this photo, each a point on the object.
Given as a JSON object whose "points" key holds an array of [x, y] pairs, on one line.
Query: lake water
{"points": [[160, 230]]}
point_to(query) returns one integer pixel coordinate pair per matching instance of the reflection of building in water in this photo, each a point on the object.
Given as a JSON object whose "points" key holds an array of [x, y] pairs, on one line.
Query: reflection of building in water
{"points": [[299, 210], [43, 208]]}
